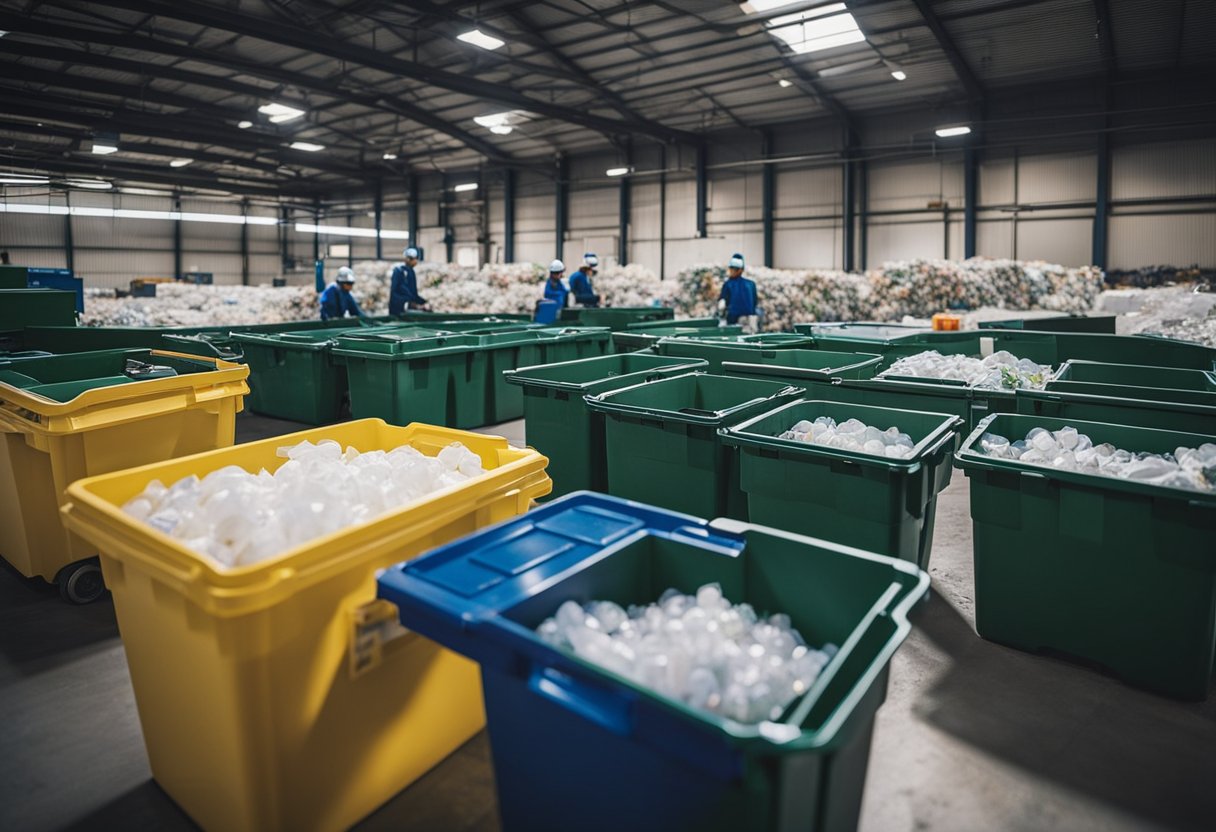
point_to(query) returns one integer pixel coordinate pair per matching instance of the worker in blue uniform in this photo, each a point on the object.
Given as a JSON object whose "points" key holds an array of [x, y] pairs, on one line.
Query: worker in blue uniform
{"points": [[738, 297], [580, 281], [556, 288], [403, 288], [337, 301]]}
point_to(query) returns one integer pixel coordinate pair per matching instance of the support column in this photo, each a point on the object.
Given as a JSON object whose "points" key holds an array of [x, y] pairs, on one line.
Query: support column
{"points": [[379, 218], [624, 214], [508, 216], [561, 197], [970, 199], [449, 239], [863, 213], [1102, 203], [177, 239], [850, 212], [411, 211], [768, 182], [282, 229], [702, 192], [316, 235], [663, 212], [244, 244], [68, 243]]}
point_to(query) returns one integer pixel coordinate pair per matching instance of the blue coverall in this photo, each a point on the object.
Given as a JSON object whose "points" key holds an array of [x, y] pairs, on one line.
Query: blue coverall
{"points": [[336, 303], [403, 290], [740, 296], [580, 287], [557, 291]]}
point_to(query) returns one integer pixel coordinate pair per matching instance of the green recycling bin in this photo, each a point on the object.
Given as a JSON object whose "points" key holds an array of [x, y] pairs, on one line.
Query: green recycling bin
{"points": [[615, 317], [21, 308], [1189, 411], [744, 359], [1117, 572], [558, 422], [875, 503], [642, 338], [662, 441], [1057, 323], [1136, 375]]}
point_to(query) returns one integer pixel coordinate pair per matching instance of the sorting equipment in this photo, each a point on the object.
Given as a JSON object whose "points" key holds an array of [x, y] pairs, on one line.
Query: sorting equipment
{"points": [[283, 695], [613, 755]]}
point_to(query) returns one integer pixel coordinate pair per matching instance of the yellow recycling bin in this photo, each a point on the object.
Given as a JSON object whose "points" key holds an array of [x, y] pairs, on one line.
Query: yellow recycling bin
{"points": [[57, 431], [282, 695]]}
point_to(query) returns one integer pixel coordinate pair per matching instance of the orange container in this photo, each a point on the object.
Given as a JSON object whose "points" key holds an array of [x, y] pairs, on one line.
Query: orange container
{"points": [[943, 322]]}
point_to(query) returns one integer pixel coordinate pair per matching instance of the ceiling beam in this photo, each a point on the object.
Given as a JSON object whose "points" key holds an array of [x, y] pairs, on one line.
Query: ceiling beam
{"points": [[975, 90], [68, 38], [305, 39]]}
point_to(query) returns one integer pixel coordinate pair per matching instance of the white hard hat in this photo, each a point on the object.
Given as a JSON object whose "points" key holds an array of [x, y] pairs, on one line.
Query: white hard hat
{"points": [[589, 259], [411, 252], [346, 275], [557, 266], [736, 261]]}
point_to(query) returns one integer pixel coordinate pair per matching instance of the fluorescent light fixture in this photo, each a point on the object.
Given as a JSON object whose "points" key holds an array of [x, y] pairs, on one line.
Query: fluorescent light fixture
{"points": [[616, 171], [389, 157], [502, 129], [134, 214], [244, 125], [947, 132], [144, 192], [350, 231], [394, 235], [180, 163], [104, 149], [309, 146], [21, 179], [20, 208], [480, 38], [493, 119], [280, 113], [3, 33], [812, 30], [899, 75], [261, 220], [785, 83], [89, 184], [465, 186]]}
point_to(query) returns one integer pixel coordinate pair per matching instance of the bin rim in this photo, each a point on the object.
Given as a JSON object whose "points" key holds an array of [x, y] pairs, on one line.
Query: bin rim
{"points": [[970, 459], [740, 436], [519, 375], [1117, 402], [242, 590], [25, 412], [602, 404], [788, 371], [1209, 375], [726, 537]]}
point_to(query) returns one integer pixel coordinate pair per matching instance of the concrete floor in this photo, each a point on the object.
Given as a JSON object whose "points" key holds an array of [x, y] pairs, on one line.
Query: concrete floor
{"points": [[972, 736]]}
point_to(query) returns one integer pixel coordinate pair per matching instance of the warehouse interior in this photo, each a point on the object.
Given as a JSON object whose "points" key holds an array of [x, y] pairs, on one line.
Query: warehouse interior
{"points": [[182, 185]]}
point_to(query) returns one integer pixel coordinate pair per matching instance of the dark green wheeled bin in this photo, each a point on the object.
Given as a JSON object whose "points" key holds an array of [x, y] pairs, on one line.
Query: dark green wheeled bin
{"points": [[662, 440], [874, 503], [561, 426], [1116, 572], [616, 317]]}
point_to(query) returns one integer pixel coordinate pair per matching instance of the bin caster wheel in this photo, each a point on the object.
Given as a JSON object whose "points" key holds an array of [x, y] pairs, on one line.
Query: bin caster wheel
{"points": [[81, 582]]}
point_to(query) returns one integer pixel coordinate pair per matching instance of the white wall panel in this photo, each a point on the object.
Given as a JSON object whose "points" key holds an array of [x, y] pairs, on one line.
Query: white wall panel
{"points": [[1057, 177], [801, 192], [1163, 170], [1068, 242], [996, 180], [735, 197], [40, 230], [594, 208], [1164, 239], [903, 241], [994, 238], [807, 245], [908, 185]]}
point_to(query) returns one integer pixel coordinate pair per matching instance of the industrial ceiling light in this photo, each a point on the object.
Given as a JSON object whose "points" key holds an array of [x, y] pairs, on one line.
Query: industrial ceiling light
{"points": [[22, 179], [465, 186], [616, 171], [280, 113], [309, 146], [244, 125], [480, 38], [388, 157], [811, 30], [500, 124], [899, 75], [784, 83], [89, 184], [502, 129], [103, 149], [948, 132], [180, 163]]}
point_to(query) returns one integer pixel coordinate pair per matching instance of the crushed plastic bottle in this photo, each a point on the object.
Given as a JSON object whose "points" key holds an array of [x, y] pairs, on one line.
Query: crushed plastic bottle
{"points": [[1000, 371], [853, 435]]}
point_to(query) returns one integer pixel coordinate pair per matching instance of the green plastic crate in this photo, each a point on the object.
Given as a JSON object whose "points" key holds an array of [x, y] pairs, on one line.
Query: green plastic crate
{"points": [[877, 504], [570, 343], [859, 330], [642, 338], [1136, 375], [687, 323], [1112, 571], [616, 317], [14, 277], [1183, 410], [662, 440], [439, 380], [62, 378], [803, 365], [719, 351], [21, 308], [561, 426], [1060, 323]]}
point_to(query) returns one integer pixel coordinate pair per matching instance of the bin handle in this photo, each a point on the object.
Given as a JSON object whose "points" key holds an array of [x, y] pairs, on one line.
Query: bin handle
{"points": [[610, 711]]}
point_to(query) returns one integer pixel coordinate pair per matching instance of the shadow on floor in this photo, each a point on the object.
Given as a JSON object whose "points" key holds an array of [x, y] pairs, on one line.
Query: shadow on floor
{"points": [[144, 807], [1068, 724]]}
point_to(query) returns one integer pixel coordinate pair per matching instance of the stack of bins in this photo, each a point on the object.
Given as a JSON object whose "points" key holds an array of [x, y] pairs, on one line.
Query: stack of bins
{"points": [[293, 375], [440, 380], [556, 719], [1114, 571], [282, 695], [643, 338], [618, 317], [662, 443], [1126, 394], [871, 502], [559, 423], [67, 417]]}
